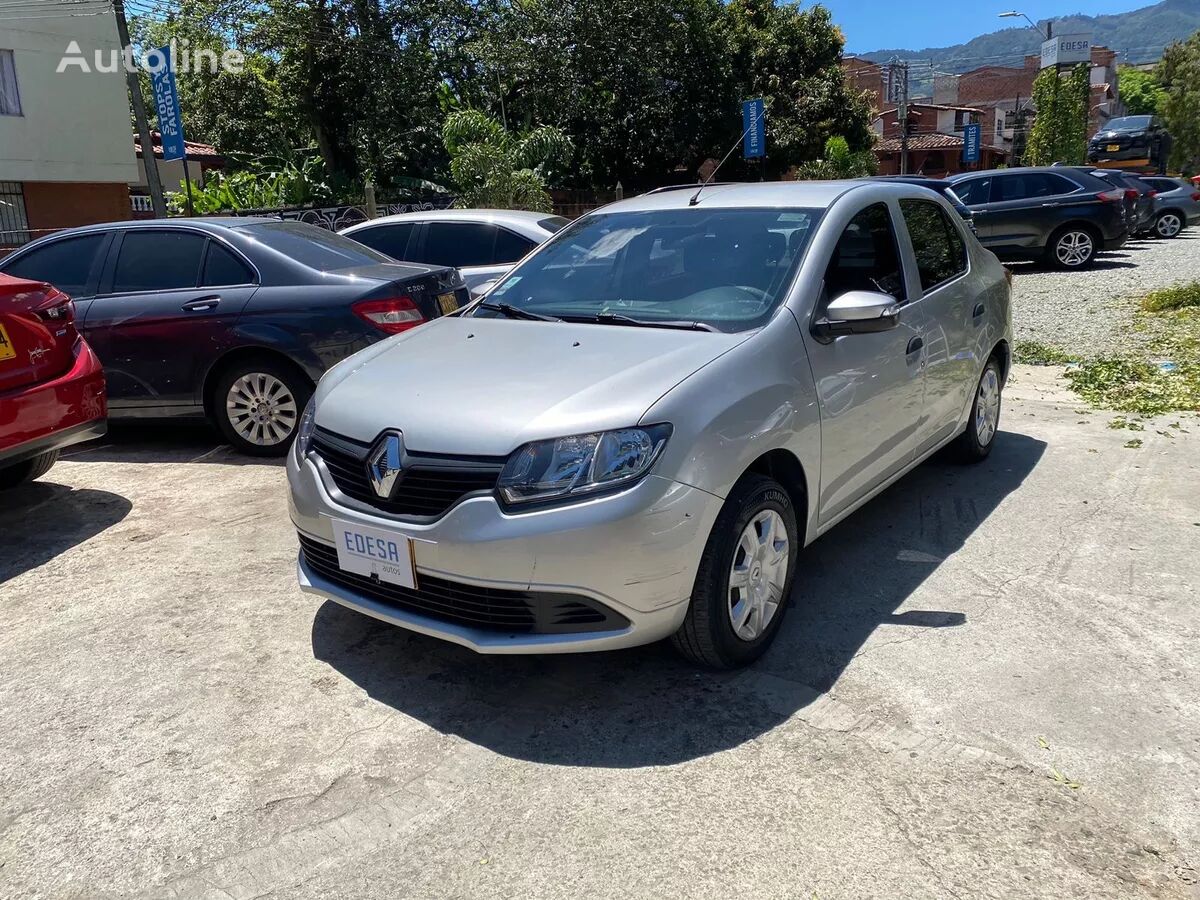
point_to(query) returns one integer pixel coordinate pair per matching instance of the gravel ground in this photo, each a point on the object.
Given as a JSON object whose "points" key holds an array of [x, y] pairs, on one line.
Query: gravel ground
{"points": [[1092, 312]]}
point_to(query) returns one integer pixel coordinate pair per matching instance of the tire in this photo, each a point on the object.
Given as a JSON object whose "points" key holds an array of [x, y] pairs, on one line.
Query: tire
{"points": [[708, 636], [1168, 224], [27, 470], [975, 443], [257, 405], [1072, 247]]}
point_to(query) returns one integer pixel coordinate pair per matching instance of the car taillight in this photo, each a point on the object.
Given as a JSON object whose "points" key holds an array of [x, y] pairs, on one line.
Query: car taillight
{"points": [[1196, 196], [1111, 196], [1152, 194], [393, 315], [1131, 194], [57, 308]]}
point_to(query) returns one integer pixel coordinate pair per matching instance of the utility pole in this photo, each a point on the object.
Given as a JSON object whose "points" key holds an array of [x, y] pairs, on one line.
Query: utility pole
{"points": [[139, 114], [902, 117]]}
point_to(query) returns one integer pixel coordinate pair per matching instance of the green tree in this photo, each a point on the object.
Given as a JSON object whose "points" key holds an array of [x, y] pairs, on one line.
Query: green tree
{"points": [[497, 169], [839, 161], [1179, 73], [1141, 92], [791, 57], [1059, 132]]}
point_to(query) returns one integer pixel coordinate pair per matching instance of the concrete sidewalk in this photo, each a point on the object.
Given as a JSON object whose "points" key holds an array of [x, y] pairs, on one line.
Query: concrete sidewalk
{"points": [[988, 687]]}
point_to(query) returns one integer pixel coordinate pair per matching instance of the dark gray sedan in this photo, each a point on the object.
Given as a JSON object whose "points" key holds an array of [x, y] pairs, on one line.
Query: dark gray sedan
{"points": [[230, 319], [1176, 205]]}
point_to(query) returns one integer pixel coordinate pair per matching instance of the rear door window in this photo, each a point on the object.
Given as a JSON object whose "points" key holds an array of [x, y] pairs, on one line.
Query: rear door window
{"points": [[510, 247], [158, 261], [1031, 185], [459, 244], [937, 245], [66, 264], [223, 267], [389, 239]]}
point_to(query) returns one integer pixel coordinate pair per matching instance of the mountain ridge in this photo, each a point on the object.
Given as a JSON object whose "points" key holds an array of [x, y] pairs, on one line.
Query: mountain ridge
{"points": [[1139, 36]]}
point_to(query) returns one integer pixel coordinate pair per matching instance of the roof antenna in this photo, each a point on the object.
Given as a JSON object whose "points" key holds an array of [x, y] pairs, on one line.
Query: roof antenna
{"points": [[695, 198]]}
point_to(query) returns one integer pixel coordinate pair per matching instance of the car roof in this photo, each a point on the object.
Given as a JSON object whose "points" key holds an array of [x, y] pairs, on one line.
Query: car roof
{"points": [[764, 194], [927, 180], [514, 217], [209, 224]]}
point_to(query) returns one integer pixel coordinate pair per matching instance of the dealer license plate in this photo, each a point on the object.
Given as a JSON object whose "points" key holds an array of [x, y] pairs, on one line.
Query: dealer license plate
{"points": [[448, 302], [7, 351], [375, 553], [1112, 148]]}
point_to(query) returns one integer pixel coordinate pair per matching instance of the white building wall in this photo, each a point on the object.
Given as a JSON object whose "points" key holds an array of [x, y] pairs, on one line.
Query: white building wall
{"points": [[74, 125]]}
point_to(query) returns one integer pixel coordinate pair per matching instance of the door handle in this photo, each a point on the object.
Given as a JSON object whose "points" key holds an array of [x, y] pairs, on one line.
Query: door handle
{"points": [[977, 313], [1051, 204], [201, 303], [913, 346]]}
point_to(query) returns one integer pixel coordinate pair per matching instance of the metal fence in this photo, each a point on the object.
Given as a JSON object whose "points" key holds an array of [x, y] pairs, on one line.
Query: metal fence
{"points": [[14, 224], [335, 218]]}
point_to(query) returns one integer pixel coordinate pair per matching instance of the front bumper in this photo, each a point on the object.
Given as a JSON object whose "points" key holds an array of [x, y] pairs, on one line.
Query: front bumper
{"points": [[635, 553]]}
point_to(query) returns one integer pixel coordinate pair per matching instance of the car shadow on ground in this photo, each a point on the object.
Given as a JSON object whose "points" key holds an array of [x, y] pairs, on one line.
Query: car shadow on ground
{"points": [[164, 442], [42, 519], [646, 706]]}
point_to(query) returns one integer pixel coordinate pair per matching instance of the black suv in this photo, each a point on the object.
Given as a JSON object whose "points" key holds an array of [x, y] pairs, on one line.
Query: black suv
{"points": [[1059, 215], [1130, 138]]}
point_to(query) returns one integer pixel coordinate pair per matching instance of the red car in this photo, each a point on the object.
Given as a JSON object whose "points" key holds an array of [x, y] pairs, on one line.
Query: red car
{"points": [[51, 383]]}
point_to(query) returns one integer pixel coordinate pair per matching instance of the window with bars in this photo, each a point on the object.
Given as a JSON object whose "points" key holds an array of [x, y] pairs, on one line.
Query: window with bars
{"points": [[14, 226]]}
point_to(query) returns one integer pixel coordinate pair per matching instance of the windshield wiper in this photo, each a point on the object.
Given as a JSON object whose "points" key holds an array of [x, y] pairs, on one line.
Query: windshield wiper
{"points": [[610, 318], [515, 312]]}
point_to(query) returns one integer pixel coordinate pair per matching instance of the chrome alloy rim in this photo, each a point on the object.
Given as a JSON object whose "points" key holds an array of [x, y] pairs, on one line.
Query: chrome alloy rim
{"points": [[987, 406], [756, 577], [261, 409], [1074, 248], [1168, 225]]}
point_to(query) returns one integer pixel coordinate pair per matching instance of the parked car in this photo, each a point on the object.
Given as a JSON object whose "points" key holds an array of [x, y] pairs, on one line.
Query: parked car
{"points": [[1057, 214], [51, 384], [482, 244], [1139, 198], [1130, 138], [635, 433], [230, 319], [1176, 206], [941, 186]]}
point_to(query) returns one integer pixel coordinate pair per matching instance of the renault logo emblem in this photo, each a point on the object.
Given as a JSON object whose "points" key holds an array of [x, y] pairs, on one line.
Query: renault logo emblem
{"points": [[385, 463]]}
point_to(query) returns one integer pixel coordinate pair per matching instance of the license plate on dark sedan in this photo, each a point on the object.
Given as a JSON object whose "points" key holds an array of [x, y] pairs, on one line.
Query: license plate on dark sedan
{"points": [[1113, 148], [448, 302]]}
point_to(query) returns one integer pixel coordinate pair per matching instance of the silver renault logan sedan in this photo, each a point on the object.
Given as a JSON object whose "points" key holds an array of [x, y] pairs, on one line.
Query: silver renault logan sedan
{"points": [[635, 433]]}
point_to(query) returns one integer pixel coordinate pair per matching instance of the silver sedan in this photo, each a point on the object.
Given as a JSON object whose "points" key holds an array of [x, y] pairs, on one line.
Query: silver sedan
{"points": [[636, 432], [1176, 205]]}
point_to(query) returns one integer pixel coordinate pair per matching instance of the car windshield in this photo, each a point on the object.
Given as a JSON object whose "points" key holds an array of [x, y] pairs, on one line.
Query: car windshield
{"points": [[727, 269], [1128, 123], [314, 247]]}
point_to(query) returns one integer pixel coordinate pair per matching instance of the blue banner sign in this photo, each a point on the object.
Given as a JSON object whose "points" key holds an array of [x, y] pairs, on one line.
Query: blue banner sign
{"points": [[972, 138], [754, 129], [166, 100]]}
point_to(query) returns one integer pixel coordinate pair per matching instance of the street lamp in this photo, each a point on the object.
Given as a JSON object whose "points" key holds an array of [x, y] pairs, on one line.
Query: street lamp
{"points": [[1012, 14]]}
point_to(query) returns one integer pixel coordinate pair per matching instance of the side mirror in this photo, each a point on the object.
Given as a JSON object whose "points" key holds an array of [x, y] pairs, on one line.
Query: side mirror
{"points": [[858, 312]]}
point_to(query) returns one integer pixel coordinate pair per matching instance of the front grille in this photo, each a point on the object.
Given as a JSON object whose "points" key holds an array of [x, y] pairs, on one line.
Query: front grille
{"points": [[428, 487], [490, 609]]}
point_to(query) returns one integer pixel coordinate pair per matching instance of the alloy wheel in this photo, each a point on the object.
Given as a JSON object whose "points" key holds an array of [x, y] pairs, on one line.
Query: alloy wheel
{"points": [[987, 406], [1074, 248], [261, 409], [1168, 225], [758, 574]]}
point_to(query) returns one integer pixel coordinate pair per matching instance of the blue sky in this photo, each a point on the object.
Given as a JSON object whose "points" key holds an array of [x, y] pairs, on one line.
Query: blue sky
{"points": [[876, 24]]}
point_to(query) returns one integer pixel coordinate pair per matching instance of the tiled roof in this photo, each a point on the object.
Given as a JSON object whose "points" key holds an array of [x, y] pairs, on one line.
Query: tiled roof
{"points": [[194, 150], [935, 141]]}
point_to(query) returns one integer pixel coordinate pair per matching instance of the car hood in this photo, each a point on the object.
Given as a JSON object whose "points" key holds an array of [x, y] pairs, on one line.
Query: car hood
{"points": [[1113, 135], [483, 387]]}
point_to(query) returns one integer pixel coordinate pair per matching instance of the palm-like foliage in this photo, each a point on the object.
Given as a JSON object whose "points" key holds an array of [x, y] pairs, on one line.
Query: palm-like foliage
{"points": [[495, 168], [839, 161]]}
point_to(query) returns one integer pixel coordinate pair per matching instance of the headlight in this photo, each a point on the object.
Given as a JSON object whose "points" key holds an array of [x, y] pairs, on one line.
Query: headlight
{"points": [[581, 464], [304, 430]]}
